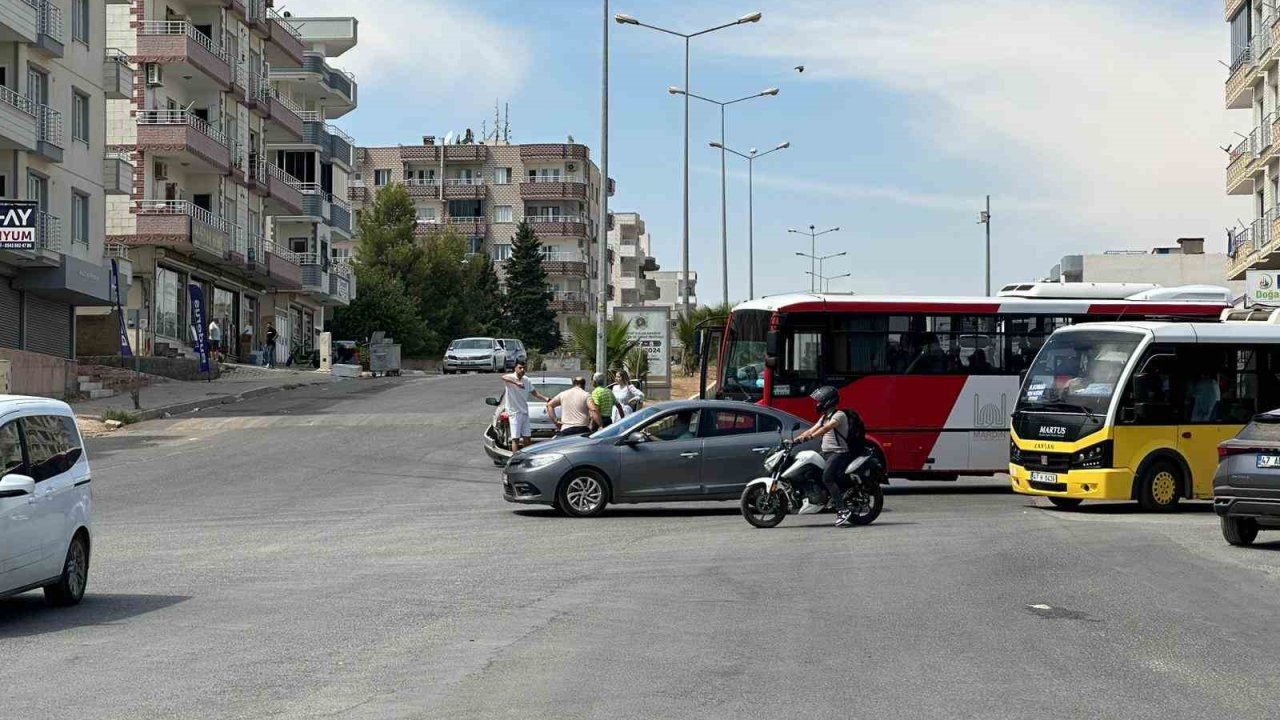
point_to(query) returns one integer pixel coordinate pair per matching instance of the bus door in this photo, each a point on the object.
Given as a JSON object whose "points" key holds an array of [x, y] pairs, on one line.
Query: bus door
{"points": [[1220, 395], [1149, 411], [987, 400], [799, 366]]}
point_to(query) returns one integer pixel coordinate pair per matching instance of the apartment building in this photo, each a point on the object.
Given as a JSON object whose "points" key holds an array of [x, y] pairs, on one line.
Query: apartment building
{"points": [[1253, 165], [55, 75], [671, 284], [633, 262], [482, 190], [224, 144], [1185, 263]]}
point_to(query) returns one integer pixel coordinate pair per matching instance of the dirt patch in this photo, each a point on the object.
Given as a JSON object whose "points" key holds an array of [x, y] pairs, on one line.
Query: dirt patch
{"points": [[90, 427]]}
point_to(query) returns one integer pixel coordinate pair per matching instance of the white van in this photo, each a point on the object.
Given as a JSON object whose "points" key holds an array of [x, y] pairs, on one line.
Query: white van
{"points": [[44, 500]]}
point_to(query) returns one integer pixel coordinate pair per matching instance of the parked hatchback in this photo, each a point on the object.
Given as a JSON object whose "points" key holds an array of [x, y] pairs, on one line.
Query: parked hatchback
{"points": [[475, 354], [1246, 488], [44, 500]]}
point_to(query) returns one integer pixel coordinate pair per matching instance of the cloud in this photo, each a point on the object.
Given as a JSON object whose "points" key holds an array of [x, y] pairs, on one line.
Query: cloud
{"points": [[1111, 114], [413, 51]]}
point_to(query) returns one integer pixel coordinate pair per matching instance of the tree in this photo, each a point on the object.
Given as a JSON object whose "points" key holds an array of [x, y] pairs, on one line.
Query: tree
{"points": [[529, 314], [387, 239], [382, 303], [443, 299], [617, 346], [484, 298], [686, 332]]}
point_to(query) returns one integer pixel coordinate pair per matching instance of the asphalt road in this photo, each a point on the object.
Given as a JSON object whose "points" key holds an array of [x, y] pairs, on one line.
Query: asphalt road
{"points": [[345, 552]]}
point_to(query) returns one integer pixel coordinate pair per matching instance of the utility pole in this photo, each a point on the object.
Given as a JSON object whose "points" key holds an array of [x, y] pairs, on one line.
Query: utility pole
{"points": [[984, 218], [602, 232]]}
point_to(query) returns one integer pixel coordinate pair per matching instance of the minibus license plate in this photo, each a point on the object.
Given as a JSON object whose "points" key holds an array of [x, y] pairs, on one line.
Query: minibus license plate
{"points": [[1269, 461], [1044, 477]]}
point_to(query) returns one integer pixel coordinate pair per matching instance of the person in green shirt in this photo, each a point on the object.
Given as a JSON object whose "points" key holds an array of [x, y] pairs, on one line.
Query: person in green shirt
{"points": [[601, 402]]}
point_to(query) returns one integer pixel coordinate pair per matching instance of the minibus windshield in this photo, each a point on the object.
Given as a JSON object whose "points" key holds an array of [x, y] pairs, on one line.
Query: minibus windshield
{"points": [[1077, 372]]}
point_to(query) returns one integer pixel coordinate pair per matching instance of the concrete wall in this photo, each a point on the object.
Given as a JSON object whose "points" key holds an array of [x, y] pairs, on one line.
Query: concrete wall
{"points": [[36, 374], [1166, 270], [97, 334], [172, 368]]}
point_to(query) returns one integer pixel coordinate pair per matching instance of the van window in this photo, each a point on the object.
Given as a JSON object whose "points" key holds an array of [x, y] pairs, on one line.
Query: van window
{"points": [[53, 445], [10, 449]]}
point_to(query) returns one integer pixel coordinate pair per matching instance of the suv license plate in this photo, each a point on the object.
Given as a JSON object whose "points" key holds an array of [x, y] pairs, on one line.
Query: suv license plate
{"points": [[1044, 477], [1269, 461]]}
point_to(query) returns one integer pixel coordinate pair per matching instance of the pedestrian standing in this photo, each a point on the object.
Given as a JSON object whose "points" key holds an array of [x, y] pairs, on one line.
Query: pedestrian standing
{"points": [[271, 345], [627, 397], [215, 340], [601, 404], [575, 410], [519, 388]]}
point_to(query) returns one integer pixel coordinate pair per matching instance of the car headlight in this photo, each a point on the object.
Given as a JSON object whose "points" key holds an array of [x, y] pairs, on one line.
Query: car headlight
{"points": [[1015, 454], [1092, 457], [542, 460]]}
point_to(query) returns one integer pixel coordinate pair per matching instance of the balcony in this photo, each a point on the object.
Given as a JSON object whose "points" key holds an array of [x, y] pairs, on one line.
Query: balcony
{"points": [[553, 151], [552, 188], [564, 263], [284, 192], [49, 28], [49, 136], [19, 21], [1233, 7], [183, 50], [284, 46], [255, 254], [117, 75], [185, 137], [286, 124], [18, 129], [569, 301], [558, 225], [339, 215], [185, 227], [1266, 144], [1239, 179], [315, 275], [117, 173], [341, 147], [283, 267], [473, 226], [342, 283], [422, 187], [464, 188]]}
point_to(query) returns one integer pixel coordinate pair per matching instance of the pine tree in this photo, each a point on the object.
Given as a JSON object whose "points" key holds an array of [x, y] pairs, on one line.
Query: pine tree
{"points": [[485, 298], [529, 314], [387, 239]]}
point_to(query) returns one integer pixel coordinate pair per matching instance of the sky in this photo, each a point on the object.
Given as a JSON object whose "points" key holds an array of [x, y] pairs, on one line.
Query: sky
{"points": [[1093, 125]]}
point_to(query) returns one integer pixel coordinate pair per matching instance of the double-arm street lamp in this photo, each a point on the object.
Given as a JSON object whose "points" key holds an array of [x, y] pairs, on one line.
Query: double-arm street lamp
{"points": [[750, 156], [813, 246], [628, 20], [821, 259], [724, 214], [820, 278]]}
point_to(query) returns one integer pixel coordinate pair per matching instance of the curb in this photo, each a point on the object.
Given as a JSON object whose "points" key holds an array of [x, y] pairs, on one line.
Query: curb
{"points": [[193, 405]]}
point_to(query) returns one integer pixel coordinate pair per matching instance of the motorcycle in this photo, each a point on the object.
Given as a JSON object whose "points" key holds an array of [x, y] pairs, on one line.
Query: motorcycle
{"points": [[767, 500]]}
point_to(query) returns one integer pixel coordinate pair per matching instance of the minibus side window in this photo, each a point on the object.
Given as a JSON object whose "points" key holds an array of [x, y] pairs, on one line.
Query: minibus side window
{"points": [[1153, 394]]}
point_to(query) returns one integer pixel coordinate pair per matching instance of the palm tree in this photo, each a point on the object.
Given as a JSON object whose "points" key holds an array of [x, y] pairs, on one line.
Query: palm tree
{"points": [[687, 331], [582, 341]]}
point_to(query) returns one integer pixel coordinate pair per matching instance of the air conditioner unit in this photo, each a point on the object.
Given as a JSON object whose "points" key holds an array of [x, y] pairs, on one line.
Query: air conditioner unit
{"points": [[154, 75], [571, 167]]}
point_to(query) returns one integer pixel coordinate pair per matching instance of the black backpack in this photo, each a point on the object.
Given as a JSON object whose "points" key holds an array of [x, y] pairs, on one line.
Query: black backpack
{"points": [[856, 440]]}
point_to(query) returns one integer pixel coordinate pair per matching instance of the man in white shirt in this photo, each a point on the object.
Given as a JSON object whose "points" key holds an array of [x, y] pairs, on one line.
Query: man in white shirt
{"points": [[519, 388]]}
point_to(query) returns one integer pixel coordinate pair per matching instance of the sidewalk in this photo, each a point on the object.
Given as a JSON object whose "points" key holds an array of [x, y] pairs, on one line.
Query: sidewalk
{"points": [[172, 397]]}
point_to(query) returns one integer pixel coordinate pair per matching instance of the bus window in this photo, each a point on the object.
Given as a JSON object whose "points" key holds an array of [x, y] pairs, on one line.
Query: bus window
{"points": [[1153, 393], [803, 353], [1219, 384]]}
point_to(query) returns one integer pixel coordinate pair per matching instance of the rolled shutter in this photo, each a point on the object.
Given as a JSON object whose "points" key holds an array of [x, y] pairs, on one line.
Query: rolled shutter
{"points": [[48, 328], [10, 314]]}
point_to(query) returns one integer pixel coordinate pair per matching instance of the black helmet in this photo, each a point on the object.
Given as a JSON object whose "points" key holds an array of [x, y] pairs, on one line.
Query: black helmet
{"points": [[827, 398]]}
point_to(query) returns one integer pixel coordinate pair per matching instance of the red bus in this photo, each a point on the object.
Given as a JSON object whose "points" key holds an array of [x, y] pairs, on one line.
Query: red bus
{"points": [[933, 378]]}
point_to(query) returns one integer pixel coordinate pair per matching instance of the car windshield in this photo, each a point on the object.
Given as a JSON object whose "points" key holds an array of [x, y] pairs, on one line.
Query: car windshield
{"points": [[627, 424], [1077, 372], [744, 360], [474, 344], [551, 389]]}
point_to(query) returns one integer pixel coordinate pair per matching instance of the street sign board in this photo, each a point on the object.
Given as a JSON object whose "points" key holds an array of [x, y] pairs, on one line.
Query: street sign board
{"points": [[650, 328], [1262, 286], [18, 224]]}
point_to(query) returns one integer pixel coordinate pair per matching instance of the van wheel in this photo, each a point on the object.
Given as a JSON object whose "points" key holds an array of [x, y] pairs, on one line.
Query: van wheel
{"points": [[1066, 503], [1239, 531], [1159, 487], [69, 588]]}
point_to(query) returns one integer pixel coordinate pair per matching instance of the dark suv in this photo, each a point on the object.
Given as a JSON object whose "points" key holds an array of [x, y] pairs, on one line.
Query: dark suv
{"points": [[1246, 488]]}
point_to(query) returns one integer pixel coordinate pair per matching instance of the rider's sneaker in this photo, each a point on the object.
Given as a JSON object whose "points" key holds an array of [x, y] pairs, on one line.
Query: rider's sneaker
{"points": [[809, 508], [844, 518]]}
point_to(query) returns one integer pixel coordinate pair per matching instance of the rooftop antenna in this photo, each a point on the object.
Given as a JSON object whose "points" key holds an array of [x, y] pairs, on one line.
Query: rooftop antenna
{"points": [[506, 124]]}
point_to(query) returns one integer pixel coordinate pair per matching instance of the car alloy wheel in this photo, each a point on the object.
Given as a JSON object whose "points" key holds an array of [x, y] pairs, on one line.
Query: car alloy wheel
{"points": [[584, 494]]}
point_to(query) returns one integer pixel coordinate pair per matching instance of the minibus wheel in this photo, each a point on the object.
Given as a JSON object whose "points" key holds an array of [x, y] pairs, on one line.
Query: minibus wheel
{"points": [[1066, 503], [1159, 486]]}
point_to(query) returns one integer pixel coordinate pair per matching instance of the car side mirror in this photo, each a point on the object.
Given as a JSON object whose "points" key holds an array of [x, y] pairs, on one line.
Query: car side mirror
{"points": [[14, 485], [492, 402], [635, 438]]}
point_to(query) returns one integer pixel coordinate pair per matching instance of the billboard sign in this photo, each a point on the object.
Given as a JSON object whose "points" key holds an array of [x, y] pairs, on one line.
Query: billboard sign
{"points": [[18, 224], [1262, 286], [650, 328]]}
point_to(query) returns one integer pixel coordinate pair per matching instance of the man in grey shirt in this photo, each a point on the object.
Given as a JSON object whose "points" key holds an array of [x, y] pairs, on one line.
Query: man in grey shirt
{"points": [[840, 445]]}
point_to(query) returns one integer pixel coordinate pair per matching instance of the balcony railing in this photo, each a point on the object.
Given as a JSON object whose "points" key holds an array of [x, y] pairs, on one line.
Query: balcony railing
{"points": [[418, 182], [562, 256], [467, 220], [281, 252], [182, 117], [21, 102], [551, 178], [49, 125], [48, 232], [464, 181], [568, 296], [182, 207], [50, 22], [281, 22], [182, 27]]}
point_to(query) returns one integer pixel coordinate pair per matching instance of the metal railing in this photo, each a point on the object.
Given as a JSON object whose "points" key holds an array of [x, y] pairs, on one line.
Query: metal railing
{"points": [[281, 252], [254, 247], [21, 102], [115, 249], [428, 221], [182, 117], [182, 207], [556, 218], [340, 134], [1237, 240], [421, 182], [569, 295], [340, 268], [273, 15], [562, 256], [1240, 149], [48, 232], [49, 125], [309, 116], [467, 220], [118, 56], [339, 81], [464, 181], [182, 27], [50, 22], [308, 258], [550, 178]]}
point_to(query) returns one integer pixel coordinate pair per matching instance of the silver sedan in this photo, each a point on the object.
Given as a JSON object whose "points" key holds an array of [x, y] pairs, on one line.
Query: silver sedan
{"points": [[672, 452]]}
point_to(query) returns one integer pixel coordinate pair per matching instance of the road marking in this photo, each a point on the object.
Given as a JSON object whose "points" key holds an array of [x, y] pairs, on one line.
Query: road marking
{"points": [[1040, 606]]}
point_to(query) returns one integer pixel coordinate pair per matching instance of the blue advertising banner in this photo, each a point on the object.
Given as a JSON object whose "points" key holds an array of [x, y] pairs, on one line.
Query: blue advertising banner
{"points": [[125, 350], [198, 326]]}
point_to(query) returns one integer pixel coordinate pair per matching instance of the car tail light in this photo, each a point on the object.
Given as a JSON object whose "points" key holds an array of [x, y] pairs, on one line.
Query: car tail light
{"points": [[503, 416], [1226, 451]]}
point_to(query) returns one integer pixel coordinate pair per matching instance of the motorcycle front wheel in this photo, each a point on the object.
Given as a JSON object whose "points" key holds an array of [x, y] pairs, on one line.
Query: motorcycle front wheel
{"points": [[865, 502], [762, 508]]}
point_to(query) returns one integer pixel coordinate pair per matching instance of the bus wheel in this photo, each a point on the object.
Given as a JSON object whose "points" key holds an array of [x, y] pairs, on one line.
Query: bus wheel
{"points": [[1158, 487], [1066, 503]]}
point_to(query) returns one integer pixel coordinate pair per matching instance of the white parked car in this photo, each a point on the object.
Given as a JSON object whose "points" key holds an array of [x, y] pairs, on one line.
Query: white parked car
{"points": [[475, 354], [44, 500]]}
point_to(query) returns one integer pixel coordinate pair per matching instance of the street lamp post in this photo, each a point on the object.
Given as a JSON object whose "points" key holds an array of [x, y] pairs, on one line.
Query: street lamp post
{"points": [[751, 156], [821, 259], [602, 229], [823, 278], [724, 202], [984, 218], [628, 20], [813, 246]]}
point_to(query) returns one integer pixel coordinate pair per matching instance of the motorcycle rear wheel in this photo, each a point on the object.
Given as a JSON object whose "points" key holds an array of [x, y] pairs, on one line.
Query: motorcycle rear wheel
{"points": [[762, 508], [865, 503]]}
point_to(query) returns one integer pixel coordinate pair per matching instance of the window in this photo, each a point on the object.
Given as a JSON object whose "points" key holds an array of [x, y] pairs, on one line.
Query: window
{"points": [[802, 354], [502, 176], [1218, 384], [80, 21], [767, 424], [79, 217], [502, 213], [53, 445], [501, 252], [682, 425], [544, 175], [10, 449], [381, 177], [167, 305], [79, 116], [733, 422], [426, 214]]}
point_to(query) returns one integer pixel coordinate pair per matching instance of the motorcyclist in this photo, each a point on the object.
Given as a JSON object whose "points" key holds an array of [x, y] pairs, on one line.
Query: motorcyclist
{"points": [[843, 439]]}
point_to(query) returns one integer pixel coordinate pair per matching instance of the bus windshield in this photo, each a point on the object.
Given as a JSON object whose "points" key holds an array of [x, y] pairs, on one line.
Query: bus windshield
{"points": [[1077, 372], [743, 376]]}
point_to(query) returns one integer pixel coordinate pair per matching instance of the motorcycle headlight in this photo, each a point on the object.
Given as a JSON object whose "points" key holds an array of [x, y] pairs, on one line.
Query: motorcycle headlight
{"points": [[772, 461], [1015, 454], [1092, 457], [542, 460]]}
